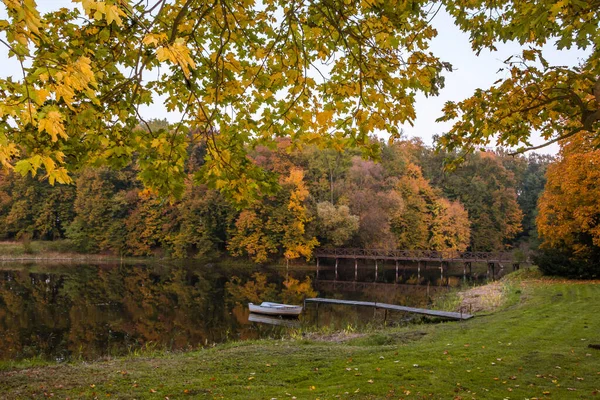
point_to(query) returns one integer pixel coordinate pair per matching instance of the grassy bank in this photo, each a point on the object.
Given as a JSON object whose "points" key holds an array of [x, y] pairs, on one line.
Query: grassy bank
{"points": [[62, 251], [536, 347], [40, 250]]}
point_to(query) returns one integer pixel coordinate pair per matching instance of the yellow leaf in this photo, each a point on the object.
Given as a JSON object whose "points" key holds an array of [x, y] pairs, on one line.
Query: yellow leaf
{"points": [[324, 117], [113, 13], [53, 125]]}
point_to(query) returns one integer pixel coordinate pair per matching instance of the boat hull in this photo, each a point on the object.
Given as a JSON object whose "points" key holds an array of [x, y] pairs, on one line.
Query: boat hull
{"points": [[275, 309]]}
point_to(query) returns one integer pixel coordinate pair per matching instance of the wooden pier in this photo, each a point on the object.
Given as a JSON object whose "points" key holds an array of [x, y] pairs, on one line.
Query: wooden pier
{"points": [[422, 258], [384, 306]]}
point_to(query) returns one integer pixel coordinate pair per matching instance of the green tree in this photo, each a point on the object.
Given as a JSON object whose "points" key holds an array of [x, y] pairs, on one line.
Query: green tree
{"points": [[103, 201], [32, 207], [488, 192], [335, 225], [530, 176]]}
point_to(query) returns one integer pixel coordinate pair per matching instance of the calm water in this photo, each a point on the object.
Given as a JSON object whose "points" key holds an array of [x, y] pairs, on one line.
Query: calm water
{"points": [[90, 311]]}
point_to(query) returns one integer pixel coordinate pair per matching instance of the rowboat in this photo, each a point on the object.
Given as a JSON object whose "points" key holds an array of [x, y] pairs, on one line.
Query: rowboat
{"points": [[274, 309]]}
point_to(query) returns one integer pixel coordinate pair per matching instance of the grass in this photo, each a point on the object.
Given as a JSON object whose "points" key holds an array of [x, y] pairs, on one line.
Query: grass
{"points": [[43, 249], [63, 251], [534, 347]]}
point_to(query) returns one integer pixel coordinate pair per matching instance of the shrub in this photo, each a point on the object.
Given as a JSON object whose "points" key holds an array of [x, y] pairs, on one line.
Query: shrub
{"points": [[562, 262]]}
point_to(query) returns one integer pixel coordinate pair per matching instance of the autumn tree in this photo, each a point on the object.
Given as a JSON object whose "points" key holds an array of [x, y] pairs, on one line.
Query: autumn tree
{"points": [[277, 225], [569, 215], [488, 192], [372, 199], [335, 225], [555, 101], [240, 72], [427, 221]]}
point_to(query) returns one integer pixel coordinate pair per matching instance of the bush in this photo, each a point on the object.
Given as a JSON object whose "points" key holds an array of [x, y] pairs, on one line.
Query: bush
{"points": [[561, 262]]}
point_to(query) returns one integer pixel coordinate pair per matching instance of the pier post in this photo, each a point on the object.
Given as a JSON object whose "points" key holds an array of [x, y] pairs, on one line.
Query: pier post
{"points": [[336, 269], [419, 272], [376, 270], [355, 269], [396, 281], [317, 268], [491, 268]]}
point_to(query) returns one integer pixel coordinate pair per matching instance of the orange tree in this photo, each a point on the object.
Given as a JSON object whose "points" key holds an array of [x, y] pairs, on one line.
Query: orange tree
{"points": [[569, 215]]}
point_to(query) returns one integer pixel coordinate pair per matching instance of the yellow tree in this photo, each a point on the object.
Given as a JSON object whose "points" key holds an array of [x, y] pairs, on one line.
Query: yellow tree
{"points": [[277, 224], [239, 72], [427, 220], [296, 242]]}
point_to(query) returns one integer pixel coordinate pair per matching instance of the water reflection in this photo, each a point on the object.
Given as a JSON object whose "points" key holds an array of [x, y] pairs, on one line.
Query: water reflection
{"points": [[93, 311], [90, 311]]}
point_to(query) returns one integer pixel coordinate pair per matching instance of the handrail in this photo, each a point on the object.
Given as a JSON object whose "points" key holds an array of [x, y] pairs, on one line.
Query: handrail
{"points": [[417, 255]]}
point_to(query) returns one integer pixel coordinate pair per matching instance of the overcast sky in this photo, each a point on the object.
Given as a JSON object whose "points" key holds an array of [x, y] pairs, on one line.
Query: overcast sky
{"points": [[452, 45]]}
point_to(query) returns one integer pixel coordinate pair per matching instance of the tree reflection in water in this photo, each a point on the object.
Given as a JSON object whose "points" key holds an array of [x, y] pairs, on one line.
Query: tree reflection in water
{"points": [[92, 311]]}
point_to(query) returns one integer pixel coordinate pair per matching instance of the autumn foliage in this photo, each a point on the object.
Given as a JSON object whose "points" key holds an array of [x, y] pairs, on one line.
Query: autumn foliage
{"points": [[569, 217], [322, 198]]}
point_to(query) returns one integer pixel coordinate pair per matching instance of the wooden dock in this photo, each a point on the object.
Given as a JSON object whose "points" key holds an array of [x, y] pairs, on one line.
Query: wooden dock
{"points": [[384, 306]]}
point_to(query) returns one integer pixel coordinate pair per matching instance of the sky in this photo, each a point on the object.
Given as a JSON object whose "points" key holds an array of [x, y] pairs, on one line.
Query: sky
{"points": [[469, 73]]}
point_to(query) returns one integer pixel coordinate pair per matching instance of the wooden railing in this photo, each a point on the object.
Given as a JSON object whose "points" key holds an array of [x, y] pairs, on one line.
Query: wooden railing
{"points": [[418, 255]]}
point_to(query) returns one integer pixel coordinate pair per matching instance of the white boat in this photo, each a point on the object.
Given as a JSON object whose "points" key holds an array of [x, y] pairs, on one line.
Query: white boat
{"points": [[274, 309]]}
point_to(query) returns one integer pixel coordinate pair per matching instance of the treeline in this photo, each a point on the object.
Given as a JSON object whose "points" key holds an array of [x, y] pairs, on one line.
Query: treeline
{"points": [[323, 198]]}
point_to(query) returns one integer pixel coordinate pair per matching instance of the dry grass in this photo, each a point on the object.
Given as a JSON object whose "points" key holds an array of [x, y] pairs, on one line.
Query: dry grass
{"points": [[483, 298]]}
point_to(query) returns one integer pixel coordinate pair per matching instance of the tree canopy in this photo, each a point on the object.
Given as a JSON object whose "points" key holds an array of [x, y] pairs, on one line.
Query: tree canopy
{"points": [[556, 101], [242, 73], [396, 203]]}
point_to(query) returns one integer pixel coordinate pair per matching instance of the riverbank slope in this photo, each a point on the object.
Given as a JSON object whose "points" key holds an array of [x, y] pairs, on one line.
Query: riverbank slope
{"points": [[536, 347]]}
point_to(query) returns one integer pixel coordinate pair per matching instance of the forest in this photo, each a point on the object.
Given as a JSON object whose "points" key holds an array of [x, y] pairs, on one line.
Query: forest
{"points": [[404, 199]]}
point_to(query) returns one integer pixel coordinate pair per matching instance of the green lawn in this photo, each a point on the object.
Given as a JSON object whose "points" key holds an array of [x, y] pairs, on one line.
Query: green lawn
{"points": [[536, 347]]}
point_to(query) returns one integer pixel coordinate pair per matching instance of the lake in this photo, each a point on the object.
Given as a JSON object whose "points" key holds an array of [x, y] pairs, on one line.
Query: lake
{"points": [[66, 312]]}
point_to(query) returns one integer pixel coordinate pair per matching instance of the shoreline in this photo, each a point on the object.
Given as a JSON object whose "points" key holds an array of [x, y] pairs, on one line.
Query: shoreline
{"points": [[532, 346]]}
